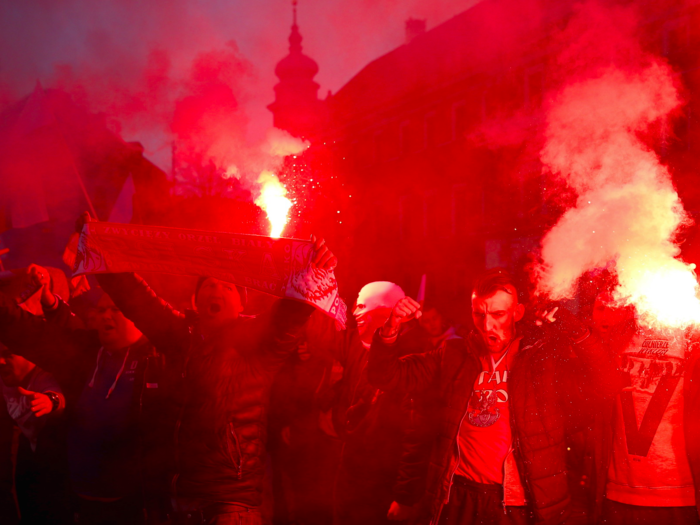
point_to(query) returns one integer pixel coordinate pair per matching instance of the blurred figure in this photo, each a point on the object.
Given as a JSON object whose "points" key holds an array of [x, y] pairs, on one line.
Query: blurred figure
{"points": [[228, 364], [421, 408], [116, 432], [370, 422], [610, 321], [644, 442], [304, 455], [35, 402], [500, 392], [436, 326], [8, 508]]}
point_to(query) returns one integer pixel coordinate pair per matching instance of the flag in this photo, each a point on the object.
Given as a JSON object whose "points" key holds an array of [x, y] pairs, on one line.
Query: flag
{"points": [[78, 284]]}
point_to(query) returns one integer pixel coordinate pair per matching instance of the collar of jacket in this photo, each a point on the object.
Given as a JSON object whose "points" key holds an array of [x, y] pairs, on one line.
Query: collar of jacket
{"points": [[527, 342]]}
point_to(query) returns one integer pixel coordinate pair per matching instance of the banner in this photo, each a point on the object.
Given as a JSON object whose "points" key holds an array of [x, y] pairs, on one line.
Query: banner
{"points": [[279, 267]]}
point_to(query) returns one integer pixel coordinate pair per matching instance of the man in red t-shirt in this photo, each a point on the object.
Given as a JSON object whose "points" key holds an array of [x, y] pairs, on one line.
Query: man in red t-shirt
{"points": [[505, 397]]}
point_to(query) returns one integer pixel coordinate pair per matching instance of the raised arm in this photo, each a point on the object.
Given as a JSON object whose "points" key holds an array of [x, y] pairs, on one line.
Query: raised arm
{"points": [[388, 371], [289, 317], [165, 327], [55, 347]]}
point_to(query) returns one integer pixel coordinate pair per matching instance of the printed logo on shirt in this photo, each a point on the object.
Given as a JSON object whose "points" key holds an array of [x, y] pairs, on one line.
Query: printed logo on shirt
{"points": [[651, 371], [654, 347], [482, 410], [132, 367]]}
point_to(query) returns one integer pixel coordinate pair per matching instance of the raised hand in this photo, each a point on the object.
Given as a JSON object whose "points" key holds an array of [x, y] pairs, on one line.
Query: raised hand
{"points": [[84, 218], [404, 311], [41, 277], [323, 258]]}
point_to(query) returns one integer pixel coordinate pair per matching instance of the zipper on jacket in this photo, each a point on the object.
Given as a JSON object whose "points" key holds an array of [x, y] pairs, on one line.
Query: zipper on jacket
{"points": [[459, 456], [504, 477], [239, 466], [524, 478]]}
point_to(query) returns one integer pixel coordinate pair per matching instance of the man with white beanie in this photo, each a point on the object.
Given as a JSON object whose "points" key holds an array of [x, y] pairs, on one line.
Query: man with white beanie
{"points": [[365, 418]]}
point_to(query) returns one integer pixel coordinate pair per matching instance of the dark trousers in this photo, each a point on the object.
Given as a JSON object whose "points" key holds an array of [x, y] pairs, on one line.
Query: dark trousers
{"points": [[42, 487], [474, 503], [615, 513]]}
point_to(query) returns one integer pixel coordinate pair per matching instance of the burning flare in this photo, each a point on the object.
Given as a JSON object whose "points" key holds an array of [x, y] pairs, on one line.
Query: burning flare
{"points": [[273, 201]]}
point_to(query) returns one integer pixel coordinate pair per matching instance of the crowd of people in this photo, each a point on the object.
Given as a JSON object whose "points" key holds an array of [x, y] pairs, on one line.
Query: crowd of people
{"points": [[141, 414]]}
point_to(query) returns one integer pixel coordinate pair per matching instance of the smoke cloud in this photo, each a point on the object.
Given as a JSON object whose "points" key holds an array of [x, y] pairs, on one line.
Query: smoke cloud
{"points": [[598, 139]]}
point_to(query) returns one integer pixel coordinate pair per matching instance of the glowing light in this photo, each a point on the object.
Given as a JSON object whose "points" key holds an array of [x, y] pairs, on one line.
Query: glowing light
{"points": [[664, 297], [274, 202]]}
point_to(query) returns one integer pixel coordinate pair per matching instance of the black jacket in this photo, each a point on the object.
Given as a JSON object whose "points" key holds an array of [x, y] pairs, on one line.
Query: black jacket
{"points": [[221, 430], [544, 388], [383, 436]]}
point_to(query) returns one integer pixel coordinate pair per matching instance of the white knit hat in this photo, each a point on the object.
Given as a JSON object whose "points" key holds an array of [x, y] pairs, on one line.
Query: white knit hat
{"points": [[379, 294]]}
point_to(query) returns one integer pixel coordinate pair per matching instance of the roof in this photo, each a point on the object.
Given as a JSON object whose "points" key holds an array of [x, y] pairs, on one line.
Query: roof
{"points": [[478, 39]]}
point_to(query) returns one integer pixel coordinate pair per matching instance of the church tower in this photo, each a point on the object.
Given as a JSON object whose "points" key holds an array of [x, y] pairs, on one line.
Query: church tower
{"points": [[296, 108]]}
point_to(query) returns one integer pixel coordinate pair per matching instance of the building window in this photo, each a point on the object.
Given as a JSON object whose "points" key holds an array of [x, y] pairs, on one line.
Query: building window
{"points": [[410, 217], [467, 209], [436, 223], [409, 137], [430, 130], [459, 121], [381, 147], [382, 222]]}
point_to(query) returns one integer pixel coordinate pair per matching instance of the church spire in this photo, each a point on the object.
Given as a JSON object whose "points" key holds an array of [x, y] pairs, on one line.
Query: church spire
{"points": [[295, 36], [296, 108]]}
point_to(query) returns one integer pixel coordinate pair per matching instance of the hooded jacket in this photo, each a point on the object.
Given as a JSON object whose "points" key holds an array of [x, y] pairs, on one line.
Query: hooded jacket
{"points": [[72, 356], [221, 430]]}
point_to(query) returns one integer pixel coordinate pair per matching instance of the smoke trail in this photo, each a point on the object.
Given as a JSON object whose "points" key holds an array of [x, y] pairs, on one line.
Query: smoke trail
{"points": [[627, 209]]}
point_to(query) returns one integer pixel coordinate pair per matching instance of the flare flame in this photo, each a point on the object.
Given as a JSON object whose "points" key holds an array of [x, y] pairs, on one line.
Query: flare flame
{"points": [[273, 201]]}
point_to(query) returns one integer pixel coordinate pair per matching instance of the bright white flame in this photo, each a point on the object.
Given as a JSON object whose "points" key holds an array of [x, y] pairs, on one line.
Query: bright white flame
{"points": [[273, 201], [666, 296]]}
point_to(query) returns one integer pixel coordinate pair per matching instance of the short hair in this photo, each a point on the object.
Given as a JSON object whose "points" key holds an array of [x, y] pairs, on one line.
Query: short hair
{"points": [[242, 292], [493, 280]]}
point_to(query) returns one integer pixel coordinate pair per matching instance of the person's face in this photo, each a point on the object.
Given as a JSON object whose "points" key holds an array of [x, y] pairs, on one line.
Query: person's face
{"points": [[218, 302], [113, 329], [13, 368], [432, 322], [606, 316], [369, 320], [495, 316]]}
